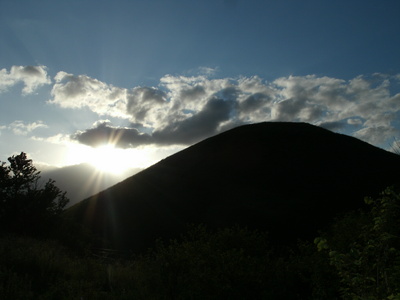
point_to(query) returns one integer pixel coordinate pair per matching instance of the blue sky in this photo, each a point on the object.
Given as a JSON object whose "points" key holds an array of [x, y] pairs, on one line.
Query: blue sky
{"points": [[153, 77]]}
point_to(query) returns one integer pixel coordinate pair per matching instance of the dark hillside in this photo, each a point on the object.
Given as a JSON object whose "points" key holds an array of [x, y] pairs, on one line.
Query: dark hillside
{"points": [[290, 179]]}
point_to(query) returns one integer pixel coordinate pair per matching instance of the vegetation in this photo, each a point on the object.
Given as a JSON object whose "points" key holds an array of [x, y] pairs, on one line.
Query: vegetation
{"points": [[395, 147], [365, 250], [26, 207], [231, 263], [358, 258]]}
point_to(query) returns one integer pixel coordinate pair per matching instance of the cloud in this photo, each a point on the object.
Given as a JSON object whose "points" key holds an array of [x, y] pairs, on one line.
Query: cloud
{"points": [[143, 102], [376, 135], [104, 133], [333, 126], [32, 77], [80, 91], [197, 127], [58, 139], [185, 109], [208, 71], [20, 128], [2, 127], [187, 131]]}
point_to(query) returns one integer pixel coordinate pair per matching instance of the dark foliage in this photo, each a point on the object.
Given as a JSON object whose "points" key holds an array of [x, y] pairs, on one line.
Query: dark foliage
{"points": [[359, 258], [26, 207], [231, 263], [364, 248]]}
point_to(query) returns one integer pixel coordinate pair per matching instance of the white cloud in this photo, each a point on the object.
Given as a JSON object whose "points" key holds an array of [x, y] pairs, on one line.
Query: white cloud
{"points": [[31, 76], [20, 128], [58, 139], [182, 110], [80, 91]]}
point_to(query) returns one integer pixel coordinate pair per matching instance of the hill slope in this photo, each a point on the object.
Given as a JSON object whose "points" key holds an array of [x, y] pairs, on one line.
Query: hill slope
{"points": [[83, 180], [287, 178]]}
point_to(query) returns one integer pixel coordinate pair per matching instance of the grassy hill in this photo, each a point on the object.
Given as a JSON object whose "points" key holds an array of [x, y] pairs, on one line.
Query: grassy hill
{"points": [[289, 179]]}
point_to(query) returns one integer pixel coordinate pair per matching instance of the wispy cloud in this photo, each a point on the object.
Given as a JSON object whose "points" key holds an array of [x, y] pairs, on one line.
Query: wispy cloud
{"points": [[20, 128], [59, 139], [31, 76]]}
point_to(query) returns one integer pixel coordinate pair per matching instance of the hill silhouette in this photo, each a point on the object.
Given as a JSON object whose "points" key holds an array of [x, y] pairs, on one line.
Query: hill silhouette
{"points": [[83, 180], [290, 179]]}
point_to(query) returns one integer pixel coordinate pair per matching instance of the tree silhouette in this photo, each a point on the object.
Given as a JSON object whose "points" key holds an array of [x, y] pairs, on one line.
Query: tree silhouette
{"points": [[396, 146], [26, 205]]}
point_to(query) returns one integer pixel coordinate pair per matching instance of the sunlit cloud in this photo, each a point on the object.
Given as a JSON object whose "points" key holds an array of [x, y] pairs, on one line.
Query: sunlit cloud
{"points": [[103, 133], [81, 91], [182, 110], [58, 139], [32, 77]]}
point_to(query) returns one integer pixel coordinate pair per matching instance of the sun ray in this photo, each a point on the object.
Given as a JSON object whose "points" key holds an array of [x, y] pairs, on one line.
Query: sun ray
{"points": [[108, 158]]}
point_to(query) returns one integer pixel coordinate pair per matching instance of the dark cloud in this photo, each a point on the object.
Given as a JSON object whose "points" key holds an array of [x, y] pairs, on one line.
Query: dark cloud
{"points": [[141, 100], [197, 127], [103, 134], [229, 93], [32, 70], [190, 130], [146, 94], [297, 109], [288, 110], [333, 126], [254, 102], [193, 93]]}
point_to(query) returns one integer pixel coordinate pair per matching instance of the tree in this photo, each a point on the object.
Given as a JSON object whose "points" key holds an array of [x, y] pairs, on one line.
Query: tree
{"points": [[26, 205], [365, 249], [395, 147]]}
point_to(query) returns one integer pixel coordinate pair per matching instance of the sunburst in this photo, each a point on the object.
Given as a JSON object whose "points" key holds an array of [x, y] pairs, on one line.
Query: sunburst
{"points": [[108, 158]]}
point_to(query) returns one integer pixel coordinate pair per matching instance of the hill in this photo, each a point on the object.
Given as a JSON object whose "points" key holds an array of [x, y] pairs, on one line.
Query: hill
{"points": [[83, 180], [290, 179]]}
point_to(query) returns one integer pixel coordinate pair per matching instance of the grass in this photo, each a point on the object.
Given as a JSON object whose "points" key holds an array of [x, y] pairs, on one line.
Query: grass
{"points": [[43, 269], [227, 264]]}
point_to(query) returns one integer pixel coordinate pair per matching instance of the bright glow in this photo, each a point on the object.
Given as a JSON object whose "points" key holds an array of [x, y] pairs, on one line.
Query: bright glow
{"points": [[108, 158]]}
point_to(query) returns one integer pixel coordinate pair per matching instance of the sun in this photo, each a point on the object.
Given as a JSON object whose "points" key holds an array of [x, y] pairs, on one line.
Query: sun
{"points": [[108, 158]]}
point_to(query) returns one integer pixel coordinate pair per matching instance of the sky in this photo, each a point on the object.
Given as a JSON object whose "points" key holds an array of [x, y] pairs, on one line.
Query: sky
{"points": [[126, 83]]}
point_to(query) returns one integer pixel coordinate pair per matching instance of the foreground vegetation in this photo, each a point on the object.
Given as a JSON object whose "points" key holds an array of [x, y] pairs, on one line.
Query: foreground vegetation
{"points": [[227, 264], [357, 258]]}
